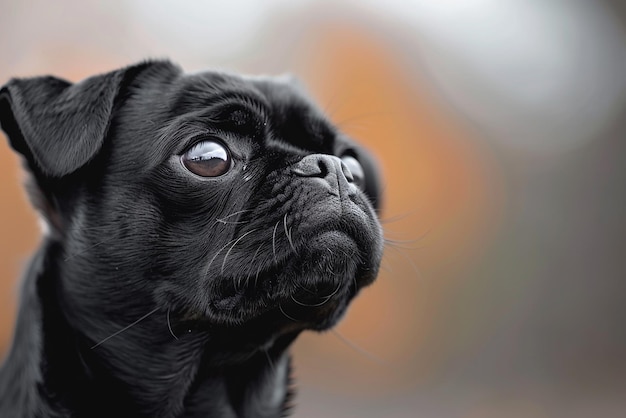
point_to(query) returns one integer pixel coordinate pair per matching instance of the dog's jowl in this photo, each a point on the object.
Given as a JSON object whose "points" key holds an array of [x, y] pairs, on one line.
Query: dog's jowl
{"points": [[196, 224]]}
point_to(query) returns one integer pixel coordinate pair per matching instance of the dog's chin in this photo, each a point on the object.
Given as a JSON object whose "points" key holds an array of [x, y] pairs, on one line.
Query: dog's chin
{"points": [[308, 290]]}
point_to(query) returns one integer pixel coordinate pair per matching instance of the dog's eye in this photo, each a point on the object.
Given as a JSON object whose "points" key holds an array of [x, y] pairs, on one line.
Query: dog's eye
{"points": [[358, 175], [207, 159]]}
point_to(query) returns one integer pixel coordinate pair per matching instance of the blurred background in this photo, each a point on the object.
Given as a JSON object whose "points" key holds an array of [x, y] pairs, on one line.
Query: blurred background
{"points": [[499, 125]]}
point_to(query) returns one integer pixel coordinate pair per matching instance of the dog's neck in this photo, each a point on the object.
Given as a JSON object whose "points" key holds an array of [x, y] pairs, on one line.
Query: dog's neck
{"points": [[184, 376]]}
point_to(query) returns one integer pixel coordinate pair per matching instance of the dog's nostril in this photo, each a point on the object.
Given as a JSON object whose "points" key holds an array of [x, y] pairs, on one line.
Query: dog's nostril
{"points": [[315, 165], [322, 167]]}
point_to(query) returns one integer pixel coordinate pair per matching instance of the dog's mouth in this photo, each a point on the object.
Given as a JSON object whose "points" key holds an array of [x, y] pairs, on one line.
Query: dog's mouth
{"points": [[307, 285]]}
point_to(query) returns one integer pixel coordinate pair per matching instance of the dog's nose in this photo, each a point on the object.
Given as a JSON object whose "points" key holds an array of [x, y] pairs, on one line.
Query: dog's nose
{"points": [[323, 166]]}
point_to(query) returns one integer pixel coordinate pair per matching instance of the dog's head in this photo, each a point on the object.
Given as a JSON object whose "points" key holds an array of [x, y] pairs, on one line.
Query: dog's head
{"points": [[221, 199]]}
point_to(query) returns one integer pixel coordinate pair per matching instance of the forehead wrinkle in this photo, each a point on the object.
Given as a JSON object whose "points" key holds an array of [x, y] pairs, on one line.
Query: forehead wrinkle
{"points": [[209, 88], [255, 104], [244, 95], [242, 114], [178, 131]]}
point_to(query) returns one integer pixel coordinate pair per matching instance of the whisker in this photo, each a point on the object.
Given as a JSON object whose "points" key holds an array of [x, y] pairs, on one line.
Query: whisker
{"points": [[206, 271], [169, 325], [274, 241], [359, 118], [313, 305], [231, 222], [288, 233], [233, 246], [305, 289], [256, 277], [105, 227], [416, 270], [125, 328], [335, 292], [239, 212], [399, 217], [360, 350], [90, 247], [284, 313], [326, 298], [400, 243], [269, 361], [386, 267], [332, 104], [250, 270]]}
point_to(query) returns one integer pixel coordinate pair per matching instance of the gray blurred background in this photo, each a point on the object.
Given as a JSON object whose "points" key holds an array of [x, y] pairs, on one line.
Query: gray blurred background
{"points": [[500, 127]]}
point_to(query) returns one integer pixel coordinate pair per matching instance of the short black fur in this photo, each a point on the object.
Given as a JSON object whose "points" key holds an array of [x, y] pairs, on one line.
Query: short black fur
{"points": [[209, 279]]}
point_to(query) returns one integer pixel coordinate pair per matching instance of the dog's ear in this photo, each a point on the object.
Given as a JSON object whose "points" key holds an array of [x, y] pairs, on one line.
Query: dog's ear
{"points": [[59, 126]]}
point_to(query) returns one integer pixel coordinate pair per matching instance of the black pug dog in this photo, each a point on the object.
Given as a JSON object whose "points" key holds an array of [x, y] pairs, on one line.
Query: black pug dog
{"points": [[196, 225]]}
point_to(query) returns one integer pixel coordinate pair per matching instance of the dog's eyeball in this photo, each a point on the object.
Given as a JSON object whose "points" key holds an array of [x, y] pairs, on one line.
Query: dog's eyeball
{"points": [[358, 175], [207, 159]]}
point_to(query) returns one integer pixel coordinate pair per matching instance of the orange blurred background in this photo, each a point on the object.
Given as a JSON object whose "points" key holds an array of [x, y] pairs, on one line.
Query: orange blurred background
{"points": [[499, 129]]}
